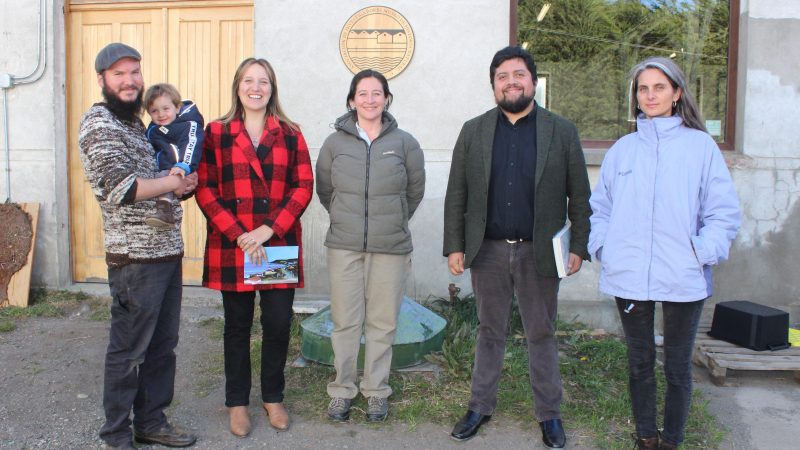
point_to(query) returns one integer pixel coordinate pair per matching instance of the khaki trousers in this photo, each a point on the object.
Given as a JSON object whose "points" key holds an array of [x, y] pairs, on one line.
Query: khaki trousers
{"points": [[366, 291]]}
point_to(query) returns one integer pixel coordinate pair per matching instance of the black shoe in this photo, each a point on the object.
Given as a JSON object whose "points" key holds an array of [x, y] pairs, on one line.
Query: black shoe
{"points": [[166, 436], [468, 426], [123, 446], [553, 433]]}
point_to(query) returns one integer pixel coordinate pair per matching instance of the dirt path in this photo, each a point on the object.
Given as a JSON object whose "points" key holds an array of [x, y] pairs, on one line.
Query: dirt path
{"points": [[51, 372], [52, 392]]}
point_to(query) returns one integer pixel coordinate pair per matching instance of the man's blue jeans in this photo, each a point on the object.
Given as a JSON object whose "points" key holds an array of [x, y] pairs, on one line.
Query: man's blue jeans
{"points": [[680, 327], [140, 360]]}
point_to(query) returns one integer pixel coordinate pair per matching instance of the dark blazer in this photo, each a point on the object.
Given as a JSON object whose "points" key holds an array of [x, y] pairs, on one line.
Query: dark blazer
{"points": [[560, 176], [238, 192]]}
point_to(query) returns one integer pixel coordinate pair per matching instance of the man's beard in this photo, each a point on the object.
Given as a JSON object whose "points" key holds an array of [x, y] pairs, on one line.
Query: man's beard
{"points": [[127, 111], [515, 106]]}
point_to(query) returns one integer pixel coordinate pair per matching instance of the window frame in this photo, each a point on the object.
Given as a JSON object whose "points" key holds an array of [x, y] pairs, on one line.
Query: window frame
{"points": [[733, 63]]}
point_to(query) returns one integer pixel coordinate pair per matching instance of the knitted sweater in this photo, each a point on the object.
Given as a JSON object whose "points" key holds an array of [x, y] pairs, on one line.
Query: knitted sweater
{"points": [[114, 153]]}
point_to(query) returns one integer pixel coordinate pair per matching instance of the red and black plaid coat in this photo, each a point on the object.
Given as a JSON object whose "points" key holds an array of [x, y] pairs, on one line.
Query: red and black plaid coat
{"points": [[238, 192]]}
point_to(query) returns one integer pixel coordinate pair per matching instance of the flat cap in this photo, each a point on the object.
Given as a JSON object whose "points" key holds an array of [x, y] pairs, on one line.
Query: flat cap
{"points": [[112, 53]]}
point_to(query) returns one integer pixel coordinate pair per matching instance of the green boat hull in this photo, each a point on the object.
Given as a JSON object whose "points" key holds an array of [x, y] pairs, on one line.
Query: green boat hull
{"points": [[419, 332]]}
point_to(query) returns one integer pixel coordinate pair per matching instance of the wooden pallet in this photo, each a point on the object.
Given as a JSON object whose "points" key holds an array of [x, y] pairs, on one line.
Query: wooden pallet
{"points": [[719, 356]]}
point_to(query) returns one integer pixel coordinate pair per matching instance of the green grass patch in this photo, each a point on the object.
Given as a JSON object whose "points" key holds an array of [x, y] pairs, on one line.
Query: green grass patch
{"points": [[209, 371], [46, 303], [7, 325], [214, 326], [58, 303], [594, 371], [58, 296]]}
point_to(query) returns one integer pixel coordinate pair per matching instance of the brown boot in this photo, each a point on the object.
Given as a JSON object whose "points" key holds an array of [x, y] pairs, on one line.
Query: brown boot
{"points": [[650, 443], [278, 417], [163, 218], [240, 420]]}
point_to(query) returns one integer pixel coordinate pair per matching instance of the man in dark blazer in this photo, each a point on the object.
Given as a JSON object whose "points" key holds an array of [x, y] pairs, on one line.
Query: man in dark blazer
{"points": [[517, 174]]}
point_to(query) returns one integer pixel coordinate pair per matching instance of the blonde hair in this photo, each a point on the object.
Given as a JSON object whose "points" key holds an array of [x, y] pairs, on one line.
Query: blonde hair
{"points": [[273, 105], [157, 90]]}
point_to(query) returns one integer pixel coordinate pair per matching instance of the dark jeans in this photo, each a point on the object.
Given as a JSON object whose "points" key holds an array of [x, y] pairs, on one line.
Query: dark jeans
{"points": [[140, 360], [680, 328], [276, 321], [500, 271]]}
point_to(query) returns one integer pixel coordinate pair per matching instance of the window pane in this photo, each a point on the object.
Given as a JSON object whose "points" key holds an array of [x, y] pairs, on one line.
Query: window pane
{"points": [[585, 48]]}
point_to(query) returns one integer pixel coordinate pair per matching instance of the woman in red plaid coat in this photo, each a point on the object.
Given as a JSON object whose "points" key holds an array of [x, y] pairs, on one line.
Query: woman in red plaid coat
{"points": [[255, 181]]}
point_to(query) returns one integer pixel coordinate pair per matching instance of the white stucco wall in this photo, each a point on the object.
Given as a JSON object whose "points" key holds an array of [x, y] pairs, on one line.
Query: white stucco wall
{"points": [[446, 83], [764, 259], [36, 132]]}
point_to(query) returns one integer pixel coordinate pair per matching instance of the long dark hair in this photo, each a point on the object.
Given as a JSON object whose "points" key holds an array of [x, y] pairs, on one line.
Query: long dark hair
{"points": [[685, 107], [368, 73], [273, 106]]}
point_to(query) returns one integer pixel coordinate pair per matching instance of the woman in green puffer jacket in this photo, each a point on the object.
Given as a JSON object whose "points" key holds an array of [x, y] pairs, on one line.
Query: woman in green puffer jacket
{"points": [[370, 179]]}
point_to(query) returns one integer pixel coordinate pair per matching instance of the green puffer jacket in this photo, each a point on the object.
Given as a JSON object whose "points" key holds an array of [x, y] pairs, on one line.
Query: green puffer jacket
{"points": [[370, 191]]}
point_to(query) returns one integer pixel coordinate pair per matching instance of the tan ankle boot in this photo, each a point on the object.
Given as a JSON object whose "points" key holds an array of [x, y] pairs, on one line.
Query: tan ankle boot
{"points": [[278, 417], [240, 420]]}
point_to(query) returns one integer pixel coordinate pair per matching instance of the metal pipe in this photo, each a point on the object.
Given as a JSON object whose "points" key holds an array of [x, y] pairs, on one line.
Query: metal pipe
{"points": [[41, 67], [5, 145], [41, 51]]}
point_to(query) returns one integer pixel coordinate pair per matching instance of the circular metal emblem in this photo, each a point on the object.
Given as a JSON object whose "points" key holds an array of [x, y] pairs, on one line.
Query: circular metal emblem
{"points": [[377, 38]]}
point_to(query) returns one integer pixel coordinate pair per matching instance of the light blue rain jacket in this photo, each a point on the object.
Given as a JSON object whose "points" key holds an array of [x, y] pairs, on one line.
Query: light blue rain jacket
{"points": [[664, 210]]}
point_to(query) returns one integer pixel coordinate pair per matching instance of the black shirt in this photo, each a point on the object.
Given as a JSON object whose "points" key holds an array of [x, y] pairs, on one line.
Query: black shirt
{"points": [[511, 185]]}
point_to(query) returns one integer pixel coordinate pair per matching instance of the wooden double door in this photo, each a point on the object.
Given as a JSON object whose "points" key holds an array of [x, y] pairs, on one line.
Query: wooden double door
{"points": [[195, 45]]}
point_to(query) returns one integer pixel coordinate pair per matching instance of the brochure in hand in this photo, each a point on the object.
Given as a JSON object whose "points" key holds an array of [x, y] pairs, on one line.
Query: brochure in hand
{"points": [[280, 267], [561, 250]]}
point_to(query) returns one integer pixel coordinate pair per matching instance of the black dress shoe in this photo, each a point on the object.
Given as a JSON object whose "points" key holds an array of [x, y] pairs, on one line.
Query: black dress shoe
{"points": [[553, 433], [168, 436], [123, 446], [468, 426]]}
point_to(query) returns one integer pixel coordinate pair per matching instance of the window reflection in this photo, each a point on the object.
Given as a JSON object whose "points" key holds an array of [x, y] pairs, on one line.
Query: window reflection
{"points": [[585, 48]]}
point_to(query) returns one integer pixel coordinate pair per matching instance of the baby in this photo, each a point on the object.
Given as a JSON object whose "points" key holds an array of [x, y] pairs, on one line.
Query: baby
{"points": [[176, 133]]}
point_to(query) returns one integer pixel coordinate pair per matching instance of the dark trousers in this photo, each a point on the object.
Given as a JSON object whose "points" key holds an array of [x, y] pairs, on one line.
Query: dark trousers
{"points": [[680, 328], [140, 360], [500, 271], [276, 321]]}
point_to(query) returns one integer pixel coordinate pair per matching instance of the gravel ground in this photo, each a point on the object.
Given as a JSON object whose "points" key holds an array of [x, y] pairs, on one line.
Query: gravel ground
{"points": [[52, 384]]}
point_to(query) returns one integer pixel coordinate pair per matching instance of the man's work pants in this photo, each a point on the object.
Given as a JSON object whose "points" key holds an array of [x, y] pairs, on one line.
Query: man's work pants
{"points": [[500, 271], [140, 360]]}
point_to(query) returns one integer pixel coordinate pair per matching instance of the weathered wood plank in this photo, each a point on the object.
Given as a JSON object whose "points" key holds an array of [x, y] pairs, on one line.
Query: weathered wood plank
{"points": [[712, 347], [767, 361], [20, 284], [720, 356], [752, 365]]}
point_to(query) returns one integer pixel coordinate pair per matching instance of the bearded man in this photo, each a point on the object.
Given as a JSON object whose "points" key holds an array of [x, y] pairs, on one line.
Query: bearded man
{"points": [[144, 263], [517, 173]]}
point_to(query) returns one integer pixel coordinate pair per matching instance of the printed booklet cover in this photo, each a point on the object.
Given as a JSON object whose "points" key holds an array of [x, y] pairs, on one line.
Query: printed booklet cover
{"points": [[281, 267]]}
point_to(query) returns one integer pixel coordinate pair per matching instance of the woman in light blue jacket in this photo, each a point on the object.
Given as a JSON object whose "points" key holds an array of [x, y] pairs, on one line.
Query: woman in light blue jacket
{"points": [[664, 210]]}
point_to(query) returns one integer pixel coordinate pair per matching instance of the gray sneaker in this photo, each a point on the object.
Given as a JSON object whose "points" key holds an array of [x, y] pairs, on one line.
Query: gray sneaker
{"points": [[339, 409], [377, 409]]}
